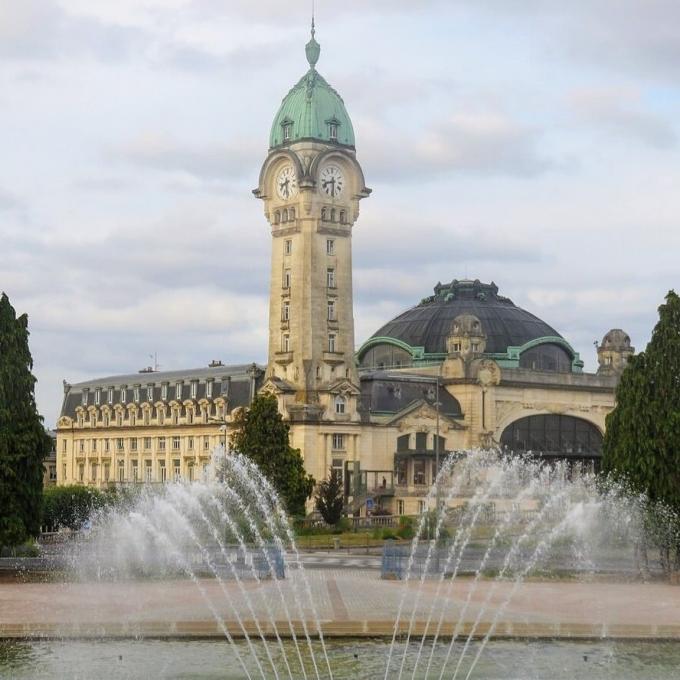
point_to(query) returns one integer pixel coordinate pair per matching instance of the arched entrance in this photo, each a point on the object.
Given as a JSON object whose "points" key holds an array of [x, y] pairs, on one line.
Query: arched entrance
{"points": [[555, 437]]}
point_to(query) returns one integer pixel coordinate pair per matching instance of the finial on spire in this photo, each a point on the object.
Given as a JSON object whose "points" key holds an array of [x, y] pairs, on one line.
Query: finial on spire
{"points": [[312, 48]]}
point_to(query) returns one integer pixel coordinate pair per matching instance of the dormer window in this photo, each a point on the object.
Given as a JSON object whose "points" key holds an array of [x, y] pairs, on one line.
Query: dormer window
{"points": [[333, 131], [110, 395], [339, 405], [178, 390], [286, 131], [123, 394]]}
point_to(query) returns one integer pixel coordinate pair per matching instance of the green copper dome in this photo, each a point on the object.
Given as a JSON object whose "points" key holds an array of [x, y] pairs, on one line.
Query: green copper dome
{"points": [[312, 109]]}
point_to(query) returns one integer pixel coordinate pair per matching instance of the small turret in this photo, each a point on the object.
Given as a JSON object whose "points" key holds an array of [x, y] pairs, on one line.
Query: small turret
{"points": [[614, 351], [467, 338]]}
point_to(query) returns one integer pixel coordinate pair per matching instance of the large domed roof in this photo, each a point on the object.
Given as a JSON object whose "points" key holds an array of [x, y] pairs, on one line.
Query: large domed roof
{"points": [[312, 109], [428, 324]]}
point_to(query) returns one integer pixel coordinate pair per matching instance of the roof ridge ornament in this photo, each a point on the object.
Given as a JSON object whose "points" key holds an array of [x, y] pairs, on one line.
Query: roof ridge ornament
{"points": [[312, 48]]}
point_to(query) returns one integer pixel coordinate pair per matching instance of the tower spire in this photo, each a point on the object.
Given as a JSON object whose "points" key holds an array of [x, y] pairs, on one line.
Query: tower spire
{"points": [[312, 48]]}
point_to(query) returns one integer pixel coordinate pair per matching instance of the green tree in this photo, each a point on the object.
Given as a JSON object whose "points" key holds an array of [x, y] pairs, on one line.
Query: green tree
{"points": [[262, 435], [329, 498], [70, 506], [642, 439], [23, 440]]}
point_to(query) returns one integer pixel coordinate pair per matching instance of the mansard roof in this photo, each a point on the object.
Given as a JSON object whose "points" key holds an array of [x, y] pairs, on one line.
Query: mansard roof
{"points": [[385, 392], [229, 382]]}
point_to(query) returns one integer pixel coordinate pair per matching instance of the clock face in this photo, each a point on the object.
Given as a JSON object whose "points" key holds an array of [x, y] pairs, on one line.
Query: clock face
{"points": [[286, 183], [332, 181]]}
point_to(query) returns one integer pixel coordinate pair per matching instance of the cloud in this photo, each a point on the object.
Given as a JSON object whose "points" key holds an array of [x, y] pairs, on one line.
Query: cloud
{"points": [[475, 144], [40, 29], [210, 162], [9, 201], [620, 113]]}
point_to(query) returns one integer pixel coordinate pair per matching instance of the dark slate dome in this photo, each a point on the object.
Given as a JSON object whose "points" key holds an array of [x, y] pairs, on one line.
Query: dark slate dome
{"points": [[429, 323]]}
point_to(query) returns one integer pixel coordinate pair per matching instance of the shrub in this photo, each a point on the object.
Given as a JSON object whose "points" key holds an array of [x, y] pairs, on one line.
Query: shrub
{"points": [[406, 530], [71, 506]]}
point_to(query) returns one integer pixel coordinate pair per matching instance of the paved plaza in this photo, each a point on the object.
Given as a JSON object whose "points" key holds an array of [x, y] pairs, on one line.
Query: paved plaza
{"points": [[348, 601]]}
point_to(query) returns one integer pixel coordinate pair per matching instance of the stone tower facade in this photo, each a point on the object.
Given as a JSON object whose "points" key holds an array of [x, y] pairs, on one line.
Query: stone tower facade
{"points": [[311, 184]]}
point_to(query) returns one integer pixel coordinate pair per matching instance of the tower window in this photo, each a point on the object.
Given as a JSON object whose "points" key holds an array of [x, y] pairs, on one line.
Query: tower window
{"points": [[287, 247], [285, 311], [339, 404], [291, 214], [286, 278], [277, 217], [343, 217], [333, 131], [286, 132], [330, 278], [285, 342], [330, 247], [332, 214], [284, 217], [331, 342], [331, 310], [323, 214]]}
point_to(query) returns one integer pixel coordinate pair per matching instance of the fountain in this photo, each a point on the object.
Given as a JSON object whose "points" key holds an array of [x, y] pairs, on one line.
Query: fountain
{"points": [[217, 559]]}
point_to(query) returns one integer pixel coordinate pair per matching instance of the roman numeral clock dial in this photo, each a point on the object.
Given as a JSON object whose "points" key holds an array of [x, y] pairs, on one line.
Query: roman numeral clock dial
{"points": [[332, 181], [286, 183]]}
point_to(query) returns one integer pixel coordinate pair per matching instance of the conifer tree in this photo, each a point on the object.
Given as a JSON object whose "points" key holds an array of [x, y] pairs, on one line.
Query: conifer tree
{"points": [[642, 440], [23, 440], [262, 435], [329, 498]]}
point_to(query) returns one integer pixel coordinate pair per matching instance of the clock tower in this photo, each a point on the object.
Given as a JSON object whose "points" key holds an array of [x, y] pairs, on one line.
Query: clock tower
{"points": [[311, 184]]}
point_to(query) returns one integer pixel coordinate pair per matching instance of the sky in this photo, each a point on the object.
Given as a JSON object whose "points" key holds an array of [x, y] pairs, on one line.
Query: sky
{"points": [[529, 142]]}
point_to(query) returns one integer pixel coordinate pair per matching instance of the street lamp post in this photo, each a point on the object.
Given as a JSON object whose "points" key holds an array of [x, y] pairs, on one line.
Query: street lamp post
{"points": [[436, 440]]}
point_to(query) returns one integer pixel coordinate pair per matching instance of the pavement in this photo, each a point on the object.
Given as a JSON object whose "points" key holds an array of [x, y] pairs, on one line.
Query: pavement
{"points": [[347, 601]]}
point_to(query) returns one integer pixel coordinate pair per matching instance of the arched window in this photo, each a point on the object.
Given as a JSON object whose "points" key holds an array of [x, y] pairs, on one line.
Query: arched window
{"points": [[554, 437], [547, 357], [277, 217], [386, 356], [340, 404]]}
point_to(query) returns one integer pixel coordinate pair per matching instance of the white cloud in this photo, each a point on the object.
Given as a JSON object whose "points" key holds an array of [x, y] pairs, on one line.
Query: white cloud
{"points": [[620, 112]]}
